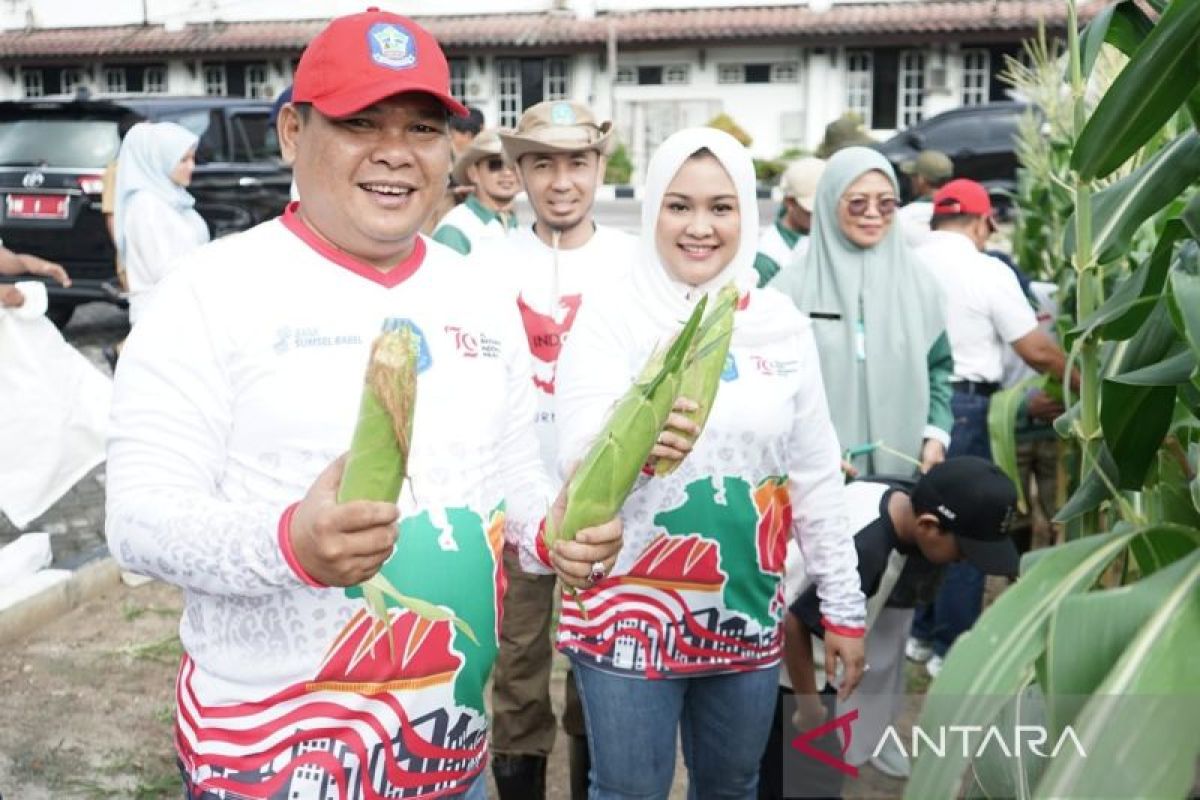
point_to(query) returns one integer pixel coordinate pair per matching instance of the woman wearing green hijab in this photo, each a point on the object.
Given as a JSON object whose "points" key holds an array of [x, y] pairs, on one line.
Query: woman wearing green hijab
{"points": [[878, 318]]}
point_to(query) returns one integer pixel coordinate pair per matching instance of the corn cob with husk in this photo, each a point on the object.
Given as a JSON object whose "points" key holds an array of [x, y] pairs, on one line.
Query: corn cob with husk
{"points": [[378, 458], [705, 364], [606, 476]]}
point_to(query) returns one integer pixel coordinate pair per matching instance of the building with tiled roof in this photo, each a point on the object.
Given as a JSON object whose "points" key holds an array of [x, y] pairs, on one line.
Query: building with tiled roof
{"points": [[781, 70]]}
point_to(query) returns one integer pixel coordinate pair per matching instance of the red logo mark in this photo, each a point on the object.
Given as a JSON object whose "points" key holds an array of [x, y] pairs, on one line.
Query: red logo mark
{"points": [[546, 335], [464, 341], [802, 743]]}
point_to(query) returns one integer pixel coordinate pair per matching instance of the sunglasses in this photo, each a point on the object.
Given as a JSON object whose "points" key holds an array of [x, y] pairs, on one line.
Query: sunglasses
{"points": [[857, 206], [496, 165]]}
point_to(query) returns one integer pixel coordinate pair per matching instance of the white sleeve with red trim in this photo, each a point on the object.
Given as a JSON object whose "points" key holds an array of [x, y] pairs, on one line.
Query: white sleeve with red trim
{"points": [[528, 490], [820, 523], [171, 415]]}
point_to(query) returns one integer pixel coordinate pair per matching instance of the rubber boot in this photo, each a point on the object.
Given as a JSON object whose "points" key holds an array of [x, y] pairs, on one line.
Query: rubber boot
{"points": [[520, 777], [581, 763]]}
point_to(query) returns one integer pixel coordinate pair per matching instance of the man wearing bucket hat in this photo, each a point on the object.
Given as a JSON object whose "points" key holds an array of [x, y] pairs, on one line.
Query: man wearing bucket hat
{"points": [[552, 266], [487, 213], [787, 239], [986, 313], [927, 173], [231, 409]]}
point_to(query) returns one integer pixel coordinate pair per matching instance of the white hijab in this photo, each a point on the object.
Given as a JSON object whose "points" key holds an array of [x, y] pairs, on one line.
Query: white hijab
{"points": [[148, 154], [667, 300]]}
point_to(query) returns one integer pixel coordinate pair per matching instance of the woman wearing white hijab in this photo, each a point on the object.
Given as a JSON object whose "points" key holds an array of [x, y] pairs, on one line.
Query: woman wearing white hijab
{"points": [[684, 634], [154, 221], [878, 317]]}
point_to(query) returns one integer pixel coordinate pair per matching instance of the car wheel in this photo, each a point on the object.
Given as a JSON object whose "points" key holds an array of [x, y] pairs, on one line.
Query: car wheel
{"points": [[60, 314]]}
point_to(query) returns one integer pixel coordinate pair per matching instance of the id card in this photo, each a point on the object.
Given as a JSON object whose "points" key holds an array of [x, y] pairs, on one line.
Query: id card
{"points": [[860, 341]]}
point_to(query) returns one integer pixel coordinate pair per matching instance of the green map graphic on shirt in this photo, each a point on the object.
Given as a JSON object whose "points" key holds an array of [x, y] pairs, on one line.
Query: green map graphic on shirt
{"points": [[732, 525], [452, 569]]}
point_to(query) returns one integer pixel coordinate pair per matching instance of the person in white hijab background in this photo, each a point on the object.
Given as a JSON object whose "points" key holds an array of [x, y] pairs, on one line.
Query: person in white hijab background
{"points": [[684, 633], [155, 222], [879, 319]]}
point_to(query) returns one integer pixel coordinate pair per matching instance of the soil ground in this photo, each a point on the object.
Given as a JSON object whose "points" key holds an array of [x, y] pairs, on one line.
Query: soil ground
{"points": [[86, 707]]}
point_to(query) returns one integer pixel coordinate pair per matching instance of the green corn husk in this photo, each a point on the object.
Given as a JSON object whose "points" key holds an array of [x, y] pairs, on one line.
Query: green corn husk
{"points": [[378, 459], [706, 363], [607, 473]]}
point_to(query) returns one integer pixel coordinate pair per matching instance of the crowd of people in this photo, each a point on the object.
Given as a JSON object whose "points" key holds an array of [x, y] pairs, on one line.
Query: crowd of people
{"points": [[842, 487]]}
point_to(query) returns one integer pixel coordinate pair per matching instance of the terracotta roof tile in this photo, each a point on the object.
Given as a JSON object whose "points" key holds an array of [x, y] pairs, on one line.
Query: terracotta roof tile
{"points": [[844, 22]]}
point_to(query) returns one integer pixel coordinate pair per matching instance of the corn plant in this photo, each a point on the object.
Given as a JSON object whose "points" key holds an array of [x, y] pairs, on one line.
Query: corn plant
{"points": [[1117, 664]]}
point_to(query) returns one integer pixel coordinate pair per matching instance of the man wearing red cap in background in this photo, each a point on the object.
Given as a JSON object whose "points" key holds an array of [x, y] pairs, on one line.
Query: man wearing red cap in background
{"points": [[228, 418], [986, 312]]}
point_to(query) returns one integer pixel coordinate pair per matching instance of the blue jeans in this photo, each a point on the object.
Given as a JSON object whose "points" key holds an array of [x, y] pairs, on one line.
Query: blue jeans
{"points": [[960, 598], [723, 720]]}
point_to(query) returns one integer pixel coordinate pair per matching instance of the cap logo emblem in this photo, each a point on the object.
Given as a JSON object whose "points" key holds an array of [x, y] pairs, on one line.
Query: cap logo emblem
{"points": [[947, 513], [391, 46], [562, 114]]}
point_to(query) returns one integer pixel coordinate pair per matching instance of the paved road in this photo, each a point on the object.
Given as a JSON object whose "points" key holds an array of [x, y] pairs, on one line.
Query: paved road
{"points": [[76, 522]]}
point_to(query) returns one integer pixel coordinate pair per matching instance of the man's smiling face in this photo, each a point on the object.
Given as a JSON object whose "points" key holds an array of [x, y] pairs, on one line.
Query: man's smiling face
{"points": [[369, 180]]}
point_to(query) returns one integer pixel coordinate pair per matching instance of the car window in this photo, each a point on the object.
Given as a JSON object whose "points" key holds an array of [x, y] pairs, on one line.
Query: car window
{"points": [[58, 143], [1000, 129], [254, 137], [952, 133], [205, 123]]}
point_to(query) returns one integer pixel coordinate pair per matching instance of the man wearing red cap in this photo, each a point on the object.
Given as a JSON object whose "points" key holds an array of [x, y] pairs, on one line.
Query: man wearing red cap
{"points": [[986, 312], [228, 418]]}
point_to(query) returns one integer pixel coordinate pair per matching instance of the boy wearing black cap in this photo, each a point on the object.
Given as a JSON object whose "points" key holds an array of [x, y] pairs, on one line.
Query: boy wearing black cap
{"points": [[906, 530]]}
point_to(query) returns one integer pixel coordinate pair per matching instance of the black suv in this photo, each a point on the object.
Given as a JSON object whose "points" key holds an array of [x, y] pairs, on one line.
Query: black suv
{"points": [[980, 140], [52, 159]]}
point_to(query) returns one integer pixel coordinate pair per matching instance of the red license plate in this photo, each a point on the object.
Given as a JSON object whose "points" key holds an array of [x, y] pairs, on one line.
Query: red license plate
{"points": [[37, 206]]}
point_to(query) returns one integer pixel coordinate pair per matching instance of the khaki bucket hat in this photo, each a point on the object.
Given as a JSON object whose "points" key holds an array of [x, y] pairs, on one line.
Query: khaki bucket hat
{"points": [[485, 145], [557, 126]]}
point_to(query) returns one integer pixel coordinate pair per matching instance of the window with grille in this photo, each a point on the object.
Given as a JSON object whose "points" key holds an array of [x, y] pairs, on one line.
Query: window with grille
{"points": [[114, 80], [214, 80], [676, 74], [976, 77], [458, 79], [258, 85], [32, 80], [508, 77], [859, 71], [626, 76], [72, 79], [910, 88], [731, 73], [785, 72], [154, 80], [558, 83]]}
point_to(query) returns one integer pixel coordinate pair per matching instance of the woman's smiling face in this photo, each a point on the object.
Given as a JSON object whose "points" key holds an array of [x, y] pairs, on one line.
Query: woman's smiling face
{"points": [[699, 221]]}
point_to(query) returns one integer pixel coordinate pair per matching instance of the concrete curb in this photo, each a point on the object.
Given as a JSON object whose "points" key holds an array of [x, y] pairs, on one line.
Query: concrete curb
{"points": [[88, 581]]}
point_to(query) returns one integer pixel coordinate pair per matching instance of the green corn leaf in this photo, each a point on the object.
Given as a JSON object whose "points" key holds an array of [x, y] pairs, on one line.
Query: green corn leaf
{"points": [[1093, 489], [1184, 299], [702, 373], [1134, 418], [1135, 297], [995, 660], [1002, 427], [422, 608], [1121, 24], [1090, 631], [1150, 89], [1144, 711], [604, 478], [1120, 209]]}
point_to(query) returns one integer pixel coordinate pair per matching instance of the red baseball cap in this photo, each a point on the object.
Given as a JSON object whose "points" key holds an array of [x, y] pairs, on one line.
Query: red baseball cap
{"points": [[361, 59], [962, 196]]}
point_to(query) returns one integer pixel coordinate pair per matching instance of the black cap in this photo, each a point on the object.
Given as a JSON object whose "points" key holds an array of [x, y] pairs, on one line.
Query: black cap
{"points": [[975, 501]]}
